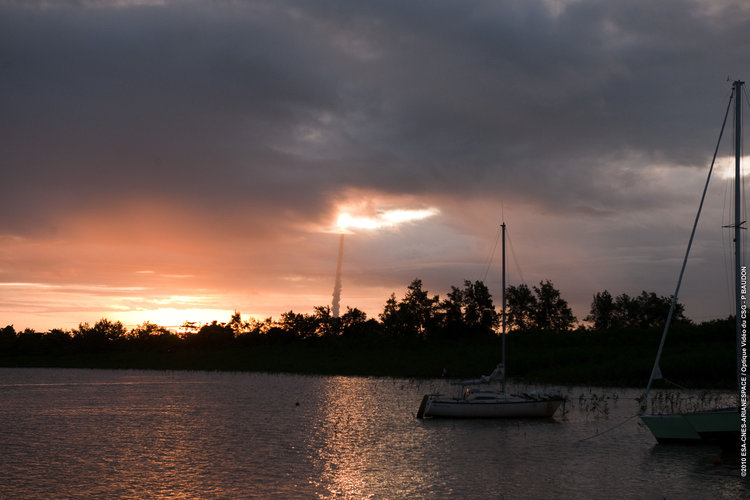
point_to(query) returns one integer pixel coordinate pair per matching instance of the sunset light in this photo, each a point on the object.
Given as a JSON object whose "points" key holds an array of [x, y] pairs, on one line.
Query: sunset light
{"points": [[383, 219], [347, 221], [172, 318], [253, 247], [287, 124]]}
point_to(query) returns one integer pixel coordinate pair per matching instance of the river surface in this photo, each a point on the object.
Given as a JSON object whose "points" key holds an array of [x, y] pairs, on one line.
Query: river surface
{"points": [[67, 433]]}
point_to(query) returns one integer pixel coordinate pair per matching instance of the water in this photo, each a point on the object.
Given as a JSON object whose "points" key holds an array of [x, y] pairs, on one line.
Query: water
{"points": [[141, 434]]}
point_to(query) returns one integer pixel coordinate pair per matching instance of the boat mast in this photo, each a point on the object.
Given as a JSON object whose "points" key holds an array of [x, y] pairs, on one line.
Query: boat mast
{"points": [[737, 225], [503, 301], [656, 371]]}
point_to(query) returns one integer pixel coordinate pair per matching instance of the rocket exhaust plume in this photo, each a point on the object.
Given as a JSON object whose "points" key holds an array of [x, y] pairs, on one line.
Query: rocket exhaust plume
{"points": [[387, 218], [337, 286]]}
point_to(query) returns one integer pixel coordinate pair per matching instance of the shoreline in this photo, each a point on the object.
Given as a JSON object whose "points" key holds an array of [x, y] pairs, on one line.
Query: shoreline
{"points": [[567, 359]]}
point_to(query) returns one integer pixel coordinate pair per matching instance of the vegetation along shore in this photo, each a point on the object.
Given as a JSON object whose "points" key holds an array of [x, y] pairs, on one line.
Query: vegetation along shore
{"points": [[419, 336]]}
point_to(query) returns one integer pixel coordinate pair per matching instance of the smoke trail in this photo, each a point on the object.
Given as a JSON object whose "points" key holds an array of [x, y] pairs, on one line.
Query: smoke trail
{"points": [[337, 286]]}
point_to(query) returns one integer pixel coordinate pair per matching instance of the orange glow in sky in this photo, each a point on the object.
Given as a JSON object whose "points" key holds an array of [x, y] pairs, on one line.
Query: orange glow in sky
{"points": [[172, 161], [383, 219]]}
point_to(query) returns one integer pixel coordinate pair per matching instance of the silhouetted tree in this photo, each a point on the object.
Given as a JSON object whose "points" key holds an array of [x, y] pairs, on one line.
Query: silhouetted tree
{"points": [[413, 316], [326, 324], [258, 327], [646, 310], [212, 335], [353, 317], [354, 324], [467, 312], [303, 326], [390, 316], [626, 311], [149, 336], [189, 327], [419, 308], [480, 317], [602, 313], [552, 311], [29, 341], [112, 331], [521, 306], [7, 338], [543, 310], [145, 331], [236, 324], [102, 336], [57, 341], [451, 315]]}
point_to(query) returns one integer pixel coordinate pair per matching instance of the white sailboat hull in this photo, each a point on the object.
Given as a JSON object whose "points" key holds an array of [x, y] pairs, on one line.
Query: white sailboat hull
{"points": [[713, 426], [502, 406], [477, 403]]}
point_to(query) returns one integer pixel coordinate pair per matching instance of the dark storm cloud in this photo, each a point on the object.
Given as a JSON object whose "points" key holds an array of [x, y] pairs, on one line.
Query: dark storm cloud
{"points": [[150, 101], [276, 105]]}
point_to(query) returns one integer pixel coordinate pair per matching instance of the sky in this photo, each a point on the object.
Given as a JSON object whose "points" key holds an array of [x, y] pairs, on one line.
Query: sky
{"points": [[178, 160]]}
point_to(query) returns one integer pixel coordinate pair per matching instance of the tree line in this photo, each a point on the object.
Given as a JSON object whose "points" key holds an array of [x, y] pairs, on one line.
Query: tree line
{"points": [[467, 312]]}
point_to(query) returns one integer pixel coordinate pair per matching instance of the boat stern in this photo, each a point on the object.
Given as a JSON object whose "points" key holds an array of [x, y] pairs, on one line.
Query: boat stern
{"points": [[721, 426], [424, 405], [670, 428]]}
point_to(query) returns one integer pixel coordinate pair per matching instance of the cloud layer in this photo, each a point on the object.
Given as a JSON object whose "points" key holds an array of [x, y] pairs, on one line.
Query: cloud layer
{"points": [[215, 140]]}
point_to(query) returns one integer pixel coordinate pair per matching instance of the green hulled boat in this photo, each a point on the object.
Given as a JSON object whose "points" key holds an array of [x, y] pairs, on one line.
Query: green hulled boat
{"points": [[722, 426]]}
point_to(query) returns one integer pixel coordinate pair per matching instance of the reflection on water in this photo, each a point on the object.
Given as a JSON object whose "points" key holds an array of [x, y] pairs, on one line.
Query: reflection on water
{"points": [[133, 434], [346, 434], [356, 449]]}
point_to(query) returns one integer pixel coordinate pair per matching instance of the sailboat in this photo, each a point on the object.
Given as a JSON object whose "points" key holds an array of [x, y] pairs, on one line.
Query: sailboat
{"points": [[724, 426], [476, 401]]}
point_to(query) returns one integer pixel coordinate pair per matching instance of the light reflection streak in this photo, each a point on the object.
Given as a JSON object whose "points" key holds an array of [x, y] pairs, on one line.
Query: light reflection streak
{"points": [[343, 458], [356, 459]]}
